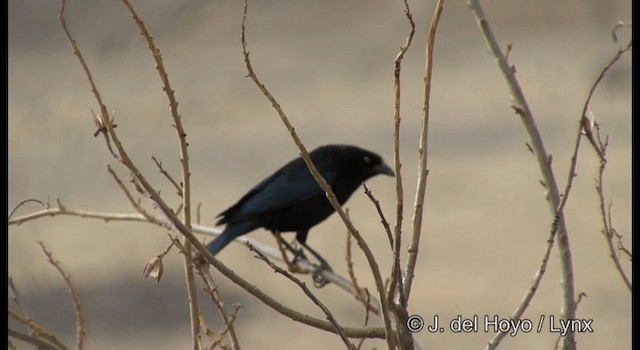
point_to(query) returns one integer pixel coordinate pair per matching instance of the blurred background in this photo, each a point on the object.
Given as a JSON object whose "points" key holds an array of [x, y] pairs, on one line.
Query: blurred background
{"points": [[329, 64]]}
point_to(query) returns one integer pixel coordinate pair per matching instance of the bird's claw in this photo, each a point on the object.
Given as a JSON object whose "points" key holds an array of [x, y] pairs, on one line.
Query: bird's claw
{"points": [[319, 280], [298, 254]]}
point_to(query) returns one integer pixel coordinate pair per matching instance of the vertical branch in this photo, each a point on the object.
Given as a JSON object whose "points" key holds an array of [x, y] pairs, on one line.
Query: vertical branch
{"points": [[216, 299], [396, 280], [186, 183], [519, 104], [600, 148], [607, 229], [324, 185], [422, 154]]}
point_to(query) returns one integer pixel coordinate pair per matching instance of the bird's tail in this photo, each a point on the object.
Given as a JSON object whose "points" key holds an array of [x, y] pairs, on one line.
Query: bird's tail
{"points": [[232, 232]]}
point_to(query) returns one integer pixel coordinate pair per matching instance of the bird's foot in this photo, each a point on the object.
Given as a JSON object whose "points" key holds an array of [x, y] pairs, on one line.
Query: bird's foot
{"points": [[292, 265], [319, 280]]}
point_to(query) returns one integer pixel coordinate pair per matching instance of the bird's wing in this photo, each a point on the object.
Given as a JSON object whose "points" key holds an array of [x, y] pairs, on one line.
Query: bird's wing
{"points": [[285, 190], [290, 185]]}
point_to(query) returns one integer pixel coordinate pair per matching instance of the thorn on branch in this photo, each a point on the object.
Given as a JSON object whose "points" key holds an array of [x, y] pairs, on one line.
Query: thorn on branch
{"points": [[508, 51], [580, 296], [519, 110], [137, 186], [530, 148]]}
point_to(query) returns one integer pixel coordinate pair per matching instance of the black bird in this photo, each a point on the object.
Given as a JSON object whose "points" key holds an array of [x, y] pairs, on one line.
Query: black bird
{"points": [[291, 199]]}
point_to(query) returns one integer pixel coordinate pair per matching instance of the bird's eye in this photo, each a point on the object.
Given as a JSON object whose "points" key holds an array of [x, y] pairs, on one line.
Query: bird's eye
{"points": [[367, 159]]}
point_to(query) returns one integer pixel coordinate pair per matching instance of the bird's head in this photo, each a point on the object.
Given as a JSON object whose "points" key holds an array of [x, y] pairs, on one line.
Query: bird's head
{"points": [[360, 163], [372, 164]]}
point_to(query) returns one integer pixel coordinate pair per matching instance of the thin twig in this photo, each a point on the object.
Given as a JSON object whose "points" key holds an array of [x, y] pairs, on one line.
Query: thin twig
{"points": [[136, 204], [607, 229], [423, 171], [24, 202], [185, 191], [212, 291], [383, 220], [168, 176], [38, 330], [309, 294], [103, 117], [33, 340], [531, 291], [520, 106], [366, 317], [600, 148], [361, 293], [396, 275], [77, 307], [323, 184]]}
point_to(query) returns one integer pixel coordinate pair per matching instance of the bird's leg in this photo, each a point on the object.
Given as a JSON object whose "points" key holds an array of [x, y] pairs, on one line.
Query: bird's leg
{"points": [[318, 280], [297, 253]]}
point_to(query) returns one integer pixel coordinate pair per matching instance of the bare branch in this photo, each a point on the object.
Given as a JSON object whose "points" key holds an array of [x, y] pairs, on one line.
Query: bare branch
{"points": [[350, 271], [397, 66], [600, 148], [520, 106], [383, 220], [607, 230], [103, 117], [531, 291], [185, 191], [308, 293], [366, 317], [520, 309], [81, 213], [211, 290], [423, 171], [33, 340], [585, 121], [303, 264], [74, 296], [323, 184], [168, 176], [30, 200], [38, 330], [136, 204]]}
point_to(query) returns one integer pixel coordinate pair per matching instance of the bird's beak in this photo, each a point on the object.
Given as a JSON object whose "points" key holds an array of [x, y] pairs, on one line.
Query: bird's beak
{"points": [[384, 169]]}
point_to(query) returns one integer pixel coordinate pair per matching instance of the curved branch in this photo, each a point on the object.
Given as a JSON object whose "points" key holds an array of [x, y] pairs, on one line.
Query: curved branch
{"points": [[520, 106], [324, 185]]}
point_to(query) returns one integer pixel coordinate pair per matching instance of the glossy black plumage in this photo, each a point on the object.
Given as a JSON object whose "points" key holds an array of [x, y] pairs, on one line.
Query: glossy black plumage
{"points": [[291, 200]]}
